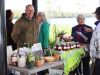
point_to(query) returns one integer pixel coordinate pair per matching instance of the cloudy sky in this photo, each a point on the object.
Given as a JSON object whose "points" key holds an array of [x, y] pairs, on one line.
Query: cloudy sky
{"points": [[70, 5], [16, 4], [63, 5]]}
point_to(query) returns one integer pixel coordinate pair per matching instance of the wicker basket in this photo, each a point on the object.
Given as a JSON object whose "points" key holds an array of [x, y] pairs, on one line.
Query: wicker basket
{"points": [[49, 58]]}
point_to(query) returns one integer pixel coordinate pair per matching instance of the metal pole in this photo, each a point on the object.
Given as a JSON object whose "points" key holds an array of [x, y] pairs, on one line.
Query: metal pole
{"points": [[3, 61], [35, 4], [99, 3]]}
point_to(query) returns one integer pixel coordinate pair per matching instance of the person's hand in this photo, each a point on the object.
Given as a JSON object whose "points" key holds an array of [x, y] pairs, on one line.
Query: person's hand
{"points": [[82, 35], [88, 30], [93, 59], [79, 33]]}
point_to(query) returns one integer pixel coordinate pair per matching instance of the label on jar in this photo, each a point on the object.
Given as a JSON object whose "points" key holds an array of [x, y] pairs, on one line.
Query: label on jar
{"points": [[72, 46], [59, 48], [22, 62], [14, 59], [78, 45], [55, 47], [64, 47], [68, 47]]}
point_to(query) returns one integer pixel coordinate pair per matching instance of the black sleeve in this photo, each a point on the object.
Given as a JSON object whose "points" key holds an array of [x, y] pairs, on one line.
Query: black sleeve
{"points": [[73, 34], [89, 35]]}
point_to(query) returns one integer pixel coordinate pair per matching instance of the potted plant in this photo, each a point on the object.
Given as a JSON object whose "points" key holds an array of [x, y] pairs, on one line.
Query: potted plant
{"points": [[59, 36], [56, 54], [39, 61], [48, 57], [30, 60]]}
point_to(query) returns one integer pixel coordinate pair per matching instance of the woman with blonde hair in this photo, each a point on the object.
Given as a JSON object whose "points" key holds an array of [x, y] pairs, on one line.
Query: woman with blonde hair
{"points": [[43, 35]]}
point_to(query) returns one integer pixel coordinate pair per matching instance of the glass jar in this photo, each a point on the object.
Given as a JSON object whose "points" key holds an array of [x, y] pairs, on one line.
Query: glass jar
{"points": [[77, 44], [64, 48], [68, 47], [22, 61], [30, 60], [59, 47], [71, 46], [14, 59]]}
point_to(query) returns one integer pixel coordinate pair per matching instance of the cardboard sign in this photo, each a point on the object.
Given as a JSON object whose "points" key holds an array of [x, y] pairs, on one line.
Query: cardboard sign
{"points": [[9, 53], [37, 47]]}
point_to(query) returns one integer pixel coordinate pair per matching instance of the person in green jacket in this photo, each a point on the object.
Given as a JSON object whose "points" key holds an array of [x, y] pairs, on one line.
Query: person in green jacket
{"points": [[43, 35], [43, 31]]}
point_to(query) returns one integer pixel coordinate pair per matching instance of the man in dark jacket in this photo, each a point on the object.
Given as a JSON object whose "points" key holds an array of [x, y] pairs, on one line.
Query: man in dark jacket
{"points": [[82, 33]]}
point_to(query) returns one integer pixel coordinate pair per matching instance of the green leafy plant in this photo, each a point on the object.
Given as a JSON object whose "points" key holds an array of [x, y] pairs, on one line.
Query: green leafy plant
{"points": [[51, 44], [30, 57], [38, 57], [47, 52], [30, 60], [55, 52], [60, 33], [39, 61]]}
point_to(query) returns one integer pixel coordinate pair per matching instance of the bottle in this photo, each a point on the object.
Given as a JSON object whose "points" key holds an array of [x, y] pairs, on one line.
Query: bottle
{"points": [[14, 59], [77, 45], [64, 48], [67, 46], [56, 47], [74, 44], [22, 60], [59, 47], [30, 60]]}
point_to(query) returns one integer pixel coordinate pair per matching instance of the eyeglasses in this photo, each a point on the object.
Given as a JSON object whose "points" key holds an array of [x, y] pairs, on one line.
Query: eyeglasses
{"points": [[30, 10]]}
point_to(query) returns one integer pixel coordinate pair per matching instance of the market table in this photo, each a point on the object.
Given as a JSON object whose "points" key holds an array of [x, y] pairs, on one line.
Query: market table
{"points": [[36, 69], [70, 59]]}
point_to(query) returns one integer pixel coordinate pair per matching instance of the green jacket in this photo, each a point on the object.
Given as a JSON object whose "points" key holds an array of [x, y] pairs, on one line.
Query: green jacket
{"points": [[43, 37], [25, 31]]}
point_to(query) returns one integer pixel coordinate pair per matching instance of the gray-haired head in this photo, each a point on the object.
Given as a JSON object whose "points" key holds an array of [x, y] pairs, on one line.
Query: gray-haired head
{"points": [[42, 15], [80, 19], [80, 16]]}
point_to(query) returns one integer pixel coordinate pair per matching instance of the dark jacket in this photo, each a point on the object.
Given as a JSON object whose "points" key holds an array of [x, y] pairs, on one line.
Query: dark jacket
{"points": [[87, 34], [9, 26]]}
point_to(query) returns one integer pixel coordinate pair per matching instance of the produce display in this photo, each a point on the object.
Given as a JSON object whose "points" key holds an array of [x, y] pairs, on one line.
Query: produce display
{"points": [[70, 52], [25, 57], [66, 46]]}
